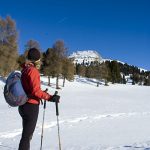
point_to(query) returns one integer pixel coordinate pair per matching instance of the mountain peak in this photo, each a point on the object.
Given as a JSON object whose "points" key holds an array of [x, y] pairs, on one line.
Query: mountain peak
{"points": [[87, 56]]}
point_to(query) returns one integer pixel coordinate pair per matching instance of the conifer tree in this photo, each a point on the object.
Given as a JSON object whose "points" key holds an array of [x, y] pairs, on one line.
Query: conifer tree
{"points": [[147, 80], [105, 73], [60, 52], [123, 80], [81, 70], [8, 45], [32, 44], [89, 71], [141, 79], [97, 72], [48, 67], [67, 70], [116, 77]]}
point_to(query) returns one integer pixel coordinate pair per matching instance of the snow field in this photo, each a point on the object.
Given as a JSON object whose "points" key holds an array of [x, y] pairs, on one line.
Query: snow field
{"points": [[115, 117]]}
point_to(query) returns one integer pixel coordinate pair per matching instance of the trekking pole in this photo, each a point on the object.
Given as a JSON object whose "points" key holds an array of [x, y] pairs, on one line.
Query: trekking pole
{"points": [[43, 122], [57, 114]]}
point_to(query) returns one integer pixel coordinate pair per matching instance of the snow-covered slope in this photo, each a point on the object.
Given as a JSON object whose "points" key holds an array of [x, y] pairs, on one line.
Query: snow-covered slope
{"points": [[87, 56], [104, 60], [115, 117]]}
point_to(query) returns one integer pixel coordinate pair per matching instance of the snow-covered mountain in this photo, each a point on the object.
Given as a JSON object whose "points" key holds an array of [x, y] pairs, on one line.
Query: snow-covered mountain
{"points": [[86, 56]]}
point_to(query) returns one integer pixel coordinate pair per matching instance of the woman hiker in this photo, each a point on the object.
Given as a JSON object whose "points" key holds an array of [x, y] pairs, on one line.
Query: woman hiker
{"points": [[31, 83]]}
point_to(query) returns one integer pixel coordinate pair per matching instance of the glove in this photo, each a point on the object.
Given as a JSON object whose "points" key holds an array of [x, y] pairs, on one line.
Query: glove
{"points": [[55, 98]]}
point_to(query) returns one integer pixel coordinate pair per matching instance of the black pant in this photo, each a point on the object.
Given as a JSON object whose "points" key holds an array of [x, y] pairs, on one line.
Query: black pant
{"points": [[29, 113]]}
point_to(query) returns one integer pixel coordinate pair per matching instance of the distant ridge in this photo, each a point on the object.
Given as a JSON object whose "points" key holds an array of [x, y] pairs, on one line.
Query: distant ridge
{"points": [[141, 69]]}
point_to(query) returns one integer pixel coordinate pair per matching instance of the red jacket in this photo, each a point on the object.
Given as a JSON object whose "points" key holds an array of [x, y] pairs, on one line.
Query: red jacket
{"points": [[31, 83]]}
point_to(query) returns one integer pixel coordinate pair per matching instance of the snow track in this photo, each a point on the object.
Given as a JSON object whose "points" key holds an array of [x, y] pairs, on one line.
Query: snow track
{"points": [[75, 121]]}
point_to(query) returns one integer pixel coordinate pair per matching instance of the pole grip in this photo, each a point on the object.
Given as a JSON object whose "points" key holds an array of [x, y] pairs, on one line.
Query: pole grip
{"points": [[57, 111], [56, 104], [56, 92], [45, 100], [44, 104]]}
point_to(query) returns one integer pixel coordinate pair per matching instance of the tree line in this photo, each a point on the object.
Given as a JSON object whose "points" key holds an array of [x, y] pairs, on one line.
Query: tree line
{"points": [[57, 64], [113, 71]]}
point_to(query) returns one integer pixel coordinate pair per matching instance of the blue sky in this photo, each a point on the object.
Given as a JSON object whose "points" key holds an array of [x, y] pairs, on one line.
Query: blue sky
{"points": [[117, 29]]}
